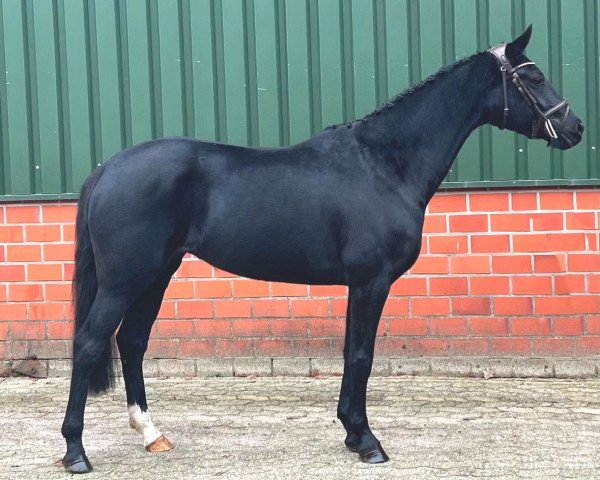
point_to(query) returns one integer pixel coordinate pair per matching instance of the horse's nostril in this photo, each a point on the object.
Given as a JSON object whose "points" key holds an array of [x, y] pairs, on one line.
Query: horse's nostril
{"points": [[580, 127]]}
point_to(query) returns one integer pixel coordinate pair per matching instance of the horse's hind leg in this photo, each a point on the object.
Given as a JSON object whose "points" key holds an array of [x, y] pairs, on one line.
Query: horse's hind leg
{"points": [[132, 340], [365, 304], [89, 344]]}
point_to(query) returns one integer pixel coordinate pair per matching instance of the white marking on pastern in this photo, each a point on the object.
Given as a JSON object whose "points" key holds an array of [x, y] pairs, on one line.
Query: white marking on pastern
{"points": [[142, 423]]}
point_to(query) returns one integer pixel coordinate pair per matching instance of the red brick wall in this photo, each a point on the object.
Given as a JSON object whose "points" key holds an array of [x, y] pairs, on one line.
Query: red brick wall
{"points": [[502, 273]]}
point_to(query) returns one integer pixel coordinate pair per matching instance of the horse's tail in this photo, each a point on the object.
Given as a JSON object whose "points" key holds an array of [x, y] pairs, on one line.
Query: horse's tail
{"points": [[85, 284]]}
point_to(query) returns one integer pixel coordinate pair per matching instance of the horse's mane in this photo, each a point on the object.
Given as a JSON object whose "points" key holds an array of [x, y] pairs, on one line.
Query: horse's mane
{"points": [[442, 72]]}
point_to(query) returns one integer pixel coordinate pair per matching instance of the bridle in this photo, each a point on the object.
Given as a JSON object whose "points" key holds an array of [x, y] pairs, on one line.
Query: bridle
{"points": [[499, 53]]}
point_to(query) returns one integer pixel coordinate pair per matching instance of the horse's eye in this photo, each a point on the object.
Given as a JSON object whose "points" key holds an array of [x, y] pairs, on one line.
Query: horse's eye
{"points": [[538, 81]]}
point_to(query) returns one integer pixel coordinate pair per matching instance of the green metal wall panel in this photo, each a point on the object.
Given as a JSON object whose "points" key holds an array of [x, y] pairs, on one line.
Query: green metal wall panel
{"points": [[82, 79]]}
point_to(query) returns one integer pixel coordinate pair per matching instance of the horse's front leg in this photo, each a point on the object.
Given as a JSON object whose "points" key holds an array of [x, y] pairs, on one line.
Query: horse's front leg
{"points": [[365, 304]]}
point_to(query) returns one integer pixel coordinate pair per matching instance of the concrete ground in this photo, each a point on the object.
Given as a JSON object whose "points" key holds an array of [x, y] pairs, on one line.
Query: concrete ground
{"points": [[285, 428]]}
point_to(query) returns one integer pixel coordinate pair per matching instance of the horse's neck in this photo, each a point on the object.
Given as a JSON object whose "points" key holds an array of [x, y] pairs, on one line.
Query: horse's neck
{"points": [[423, 133]]}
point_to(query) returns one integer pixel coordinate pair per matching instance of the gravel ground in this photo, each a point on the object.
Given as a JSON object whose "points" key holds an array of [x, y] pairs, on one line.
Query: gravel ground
{"points": [[280, 428]]}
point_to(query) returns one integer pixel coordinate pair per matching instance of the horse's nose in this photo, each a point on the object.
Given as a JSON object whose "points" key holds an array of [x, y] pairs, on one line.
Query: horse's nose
{"points": [[580, 128]]}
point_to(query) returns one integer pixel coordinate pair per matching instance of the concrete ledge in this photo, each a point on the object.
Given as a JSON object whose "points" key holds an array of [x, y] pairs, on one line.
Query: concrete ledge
{"points": [[482, 367]]}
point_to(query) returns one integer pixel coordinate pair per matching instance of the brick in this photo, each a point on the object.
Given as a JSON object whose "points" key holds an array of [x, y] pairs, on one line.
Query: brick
{"points": [[471, 306], [223, 274], [176, 367], [408, 286], [553, 263], [511, 264], [180, 289], [425, 346], [490, 243], [430, 306], [534, 326], [447, 326], [261, 367], [339, 307], [533, 285], [43, 233], [288, 290], [567, 284], [442, 203], [326, 328], [58, 252], [468, 223], [521, 201], [468, 346], [23, 253], [409, 366], [13, 311], [410, 326], [60, 330], [250, 328], [194, 269], [312, 347], [162, 349], [553, 346], [59, 213], [435, 224], [22, 214], [271, 308], [585, 262], [214, 367], [588, 200], [289, 328], [430, 265], [571, 326], [175, 329], [212, 328], [291, 367], [28, 292], [234, 347], [27, 330], [68, 271], [309, 308], [567, 305], [449, 244], [447, 286], [212, 288], [194, 309], [11, 233], [550, 242], [273, 347], [12, 273], [232, 308], [167, 310], [46, 271], [395, 307], [513, 306], [510, 346], [562, 200], [488, 202], [510, 222], [489, 285], [547, 221], [489, 326], [593, 283], [470, 264], [196, 348], [68, 233], [586, 346], [46, 311], [581, 221], [328, 290], [250, 288]]}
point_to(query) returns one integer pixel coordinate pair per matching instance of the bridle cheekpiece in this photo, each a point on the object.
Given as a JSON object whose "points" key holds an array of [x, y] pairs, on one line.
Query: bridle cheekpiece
{"points": [[499, 53]]}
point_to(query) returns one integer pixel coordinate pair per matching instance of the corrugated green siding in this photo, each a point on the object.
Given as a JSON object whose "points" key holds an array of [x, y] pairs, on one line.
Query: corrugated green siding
{"points": [[82, 79]]}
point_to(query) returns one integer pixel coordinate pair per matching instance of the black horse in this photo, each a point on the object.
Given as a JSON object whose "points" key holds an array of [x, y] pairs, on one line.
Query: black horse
{"points": [[344, 207]]}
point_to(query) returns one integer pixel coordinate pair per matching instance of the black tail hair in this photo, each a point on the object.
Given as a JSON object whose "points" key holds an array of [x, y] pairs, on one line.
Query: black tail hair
{"points": [[85, 284]]}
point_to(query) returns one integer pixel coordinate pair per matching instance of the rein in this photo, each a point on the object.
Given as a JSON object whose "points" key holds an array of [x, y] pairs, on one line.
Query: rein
{"points": [[499, 53]]}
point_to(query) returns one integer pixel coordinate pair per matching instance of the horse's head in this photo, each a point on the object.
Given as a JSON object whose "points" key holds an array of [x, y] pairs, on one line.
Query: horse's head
{"points": [[526, 103]]}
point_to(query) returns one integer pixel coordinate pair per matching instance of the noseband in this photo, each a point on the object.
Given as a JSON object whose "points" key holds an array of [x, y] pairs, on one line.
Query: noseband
{"points": [[499, 53]]}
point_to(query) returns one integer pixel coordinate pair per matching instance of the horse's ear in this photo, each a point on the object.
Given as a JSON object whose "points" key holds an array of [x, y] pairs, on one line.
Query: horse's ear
{"points": [[519, 44]]}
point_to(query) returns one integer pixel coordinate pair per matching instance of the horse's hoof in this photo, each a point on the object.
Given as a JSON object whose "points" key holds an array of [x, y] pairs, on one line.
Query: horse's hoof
{"points": [[373, 455], [79, 464], [161, 444]]}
